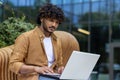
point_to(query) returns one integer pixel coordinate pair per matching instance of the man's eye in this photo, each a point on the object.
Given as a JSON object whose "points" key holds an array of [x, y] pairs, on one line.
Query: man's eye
{"points": [[57, 22], [52, 20]]}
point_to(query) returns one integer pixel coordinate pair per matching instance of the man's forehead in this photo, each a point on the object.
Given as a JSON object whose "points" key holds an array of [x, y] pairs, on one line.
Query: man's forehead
{"points": [[52, 19]]}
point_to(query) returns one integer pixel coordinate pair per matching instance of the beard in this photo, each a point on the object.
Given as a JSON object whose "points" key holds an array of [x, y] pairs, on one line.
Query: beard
{"points": [[49, 29]]}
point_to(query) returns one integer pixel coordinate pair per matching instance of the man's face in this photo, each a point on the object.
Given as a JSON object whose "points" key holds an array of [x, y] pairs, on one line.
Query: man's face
{"points": [[50, 25]]}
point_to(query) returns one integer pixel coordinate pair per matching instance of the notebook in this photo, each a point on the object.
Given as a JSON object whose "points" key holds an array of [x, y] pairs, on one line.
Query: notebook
{"points": [[79, 66]]}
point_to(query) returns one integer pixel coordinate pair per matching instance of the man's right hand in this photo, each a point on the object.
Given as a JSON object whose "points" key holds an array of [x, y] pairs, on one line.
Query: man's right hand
{"points": [[43, 70]]}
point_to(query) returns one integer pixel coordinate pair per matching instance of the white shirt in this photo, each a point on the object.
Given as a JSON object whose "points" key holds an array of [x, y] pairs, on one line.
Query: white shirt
{"points": [[49, 50]]}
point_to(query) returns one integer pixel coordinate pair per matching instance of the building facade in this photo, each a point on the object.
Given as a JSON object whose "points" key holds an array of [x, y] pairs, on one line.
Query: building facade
{"points": [[99, 20]]}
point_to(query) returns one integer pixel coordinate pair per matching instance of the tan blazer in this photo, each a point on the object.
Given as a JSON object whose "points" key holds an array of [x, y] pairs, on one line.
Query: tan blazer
{"points": [[29, 49]]}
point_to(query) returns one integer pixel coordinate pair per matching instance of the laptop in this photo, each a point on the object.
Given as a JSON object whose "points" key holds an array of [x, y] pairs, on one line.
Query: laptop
{"points": [[79, 67]]}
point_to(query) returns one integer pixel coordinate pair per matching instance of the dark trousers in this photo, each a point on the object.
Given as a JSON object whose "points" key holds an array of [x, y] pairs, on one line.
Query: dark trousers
{"points": [[47, 77]]}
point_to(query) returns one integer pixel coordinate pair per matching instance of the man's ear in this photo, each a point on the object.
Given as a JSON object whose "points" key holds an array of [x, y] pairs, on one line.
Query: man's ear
{"points": [[41, 20]]}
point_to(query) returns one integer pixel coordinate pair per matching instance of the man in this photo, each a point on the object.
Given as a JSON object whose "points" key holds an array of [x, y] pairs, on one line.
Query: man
{"points": [[39, 51]]}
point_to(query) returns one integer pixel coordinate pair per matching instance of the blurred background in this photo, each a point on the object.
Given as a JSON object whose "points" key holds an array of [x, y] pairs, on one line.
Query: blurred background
{"points": [[94, 23]]}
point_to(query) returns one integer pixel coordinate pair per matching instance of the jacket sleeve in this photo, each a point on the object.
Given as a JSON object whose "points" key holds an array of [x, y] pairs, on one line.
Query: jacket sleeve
{"points": [[19, 53], [60, 56]]}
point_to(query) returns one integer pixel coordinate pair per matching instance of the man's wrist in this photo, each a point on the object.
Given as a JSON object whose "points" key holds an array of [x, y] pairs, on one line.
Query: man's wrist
{"points": [[36, 69]]}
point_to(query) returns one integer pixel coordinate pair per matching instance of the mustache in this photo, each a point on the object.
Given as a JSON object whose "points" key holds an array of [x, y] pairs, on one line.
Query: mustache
{"points": [[52, 27]]}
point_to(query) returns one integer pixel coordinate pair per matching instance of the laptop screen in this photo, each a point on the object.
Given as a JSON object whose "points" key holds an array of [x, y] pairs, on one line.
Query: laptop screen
{"points": [[80, 65]]}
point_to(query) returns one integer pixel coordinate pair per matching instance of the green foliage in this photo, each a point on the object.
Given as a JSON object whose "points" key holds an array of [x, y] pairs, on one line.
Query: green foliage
{"points": [[11, 28]]}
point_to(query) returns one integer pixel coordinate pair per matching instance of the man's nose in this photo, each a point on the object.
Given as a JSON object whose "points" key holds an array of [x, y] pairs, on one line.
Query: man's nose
{"points": [[54, 24]]}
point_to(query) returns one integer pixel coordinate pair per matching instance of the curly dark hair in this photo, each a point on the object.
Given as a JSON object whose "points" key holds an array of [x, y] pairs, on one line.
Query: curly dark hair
{"points": [[50, 11]]}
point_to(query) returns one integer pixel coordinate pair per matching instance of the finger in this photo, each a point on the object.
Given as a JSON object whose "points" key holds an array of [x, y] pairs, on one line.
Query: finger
{"points": [[43, 72], [49, 70], [60, 70]]}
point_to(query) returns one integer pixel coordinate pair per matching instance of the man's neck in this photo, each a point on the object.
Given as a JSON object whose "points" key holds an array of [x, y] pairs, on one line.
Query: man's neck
{"points": [[47, 34]]}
